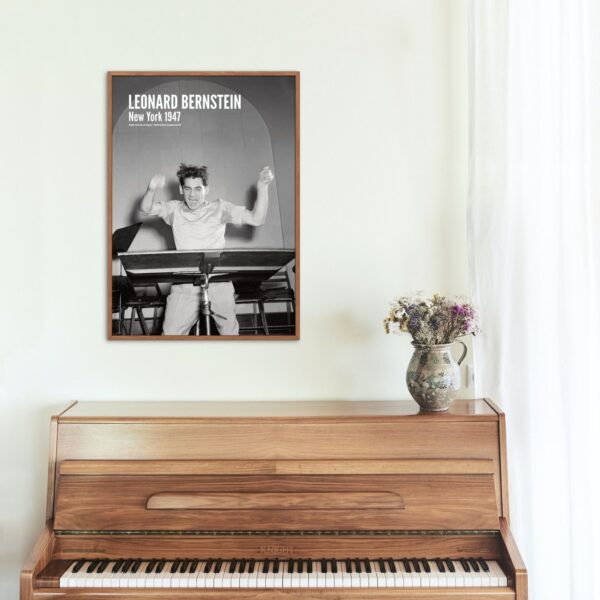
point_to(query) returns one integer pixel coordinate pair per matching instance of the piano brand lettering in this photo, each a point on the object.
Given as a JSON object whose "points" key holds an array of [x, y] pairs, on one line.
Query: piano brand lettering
{"points": [[185, 101], [277, 550]]}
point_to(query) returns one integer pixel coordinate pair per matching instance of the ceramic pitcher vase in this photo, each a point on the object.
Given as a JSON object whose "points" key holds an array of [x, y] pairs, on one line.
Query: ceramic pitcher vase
{"points": [[433, 376]]}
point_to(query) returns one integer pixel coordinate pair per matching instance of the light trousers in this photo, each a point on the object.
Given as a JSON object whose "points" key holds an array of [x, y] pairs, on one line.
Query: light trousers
{"points": [[183, 308]]}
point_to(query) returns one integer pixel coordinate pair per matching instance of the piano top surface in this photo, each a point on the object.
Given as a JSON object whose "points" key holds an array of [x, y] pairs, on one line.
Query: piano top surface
{"points": [[115, 411]]}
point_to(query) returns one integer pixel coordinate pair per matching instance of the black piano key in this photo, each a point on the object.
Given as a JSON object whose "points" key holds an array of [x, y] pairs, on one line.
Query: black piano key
{"points": [[382, 565], [251, 565], [416, 565], [79, 564], [175, 565], [474, 565], [126, 565], [334, 566], [102, 566], [160, 565], [324, 568], [483, 564], [136, 565], [92, 566], [276, 565], [265, 567], [185, 563], [367, 563], [300, 566], [290, 563], [392, 565], [218, 565], [465, 565], [117, 566], [450, 565], [208, 565], [348, 565], [426, 566], [193, 566], [440, 565], [232, 566], [150, 566], [242, 565], [309, 566], [406, 564]]}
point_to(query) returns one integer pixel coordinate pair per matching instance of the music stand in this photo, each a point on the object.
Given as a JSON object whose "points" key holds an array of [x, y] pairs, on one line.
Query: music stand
{"points": [[201, 267]]}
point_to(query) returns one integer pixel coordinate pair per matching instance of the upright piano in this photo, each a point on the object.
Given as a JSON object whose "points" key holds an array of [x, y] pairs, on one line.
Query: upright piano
{"points": [[276, 500]]}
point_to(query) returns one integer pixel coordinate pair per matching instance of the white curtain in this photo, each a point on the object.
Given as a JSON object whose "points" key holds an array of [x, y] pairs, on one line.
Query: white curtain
{"points": [[534, 238]]}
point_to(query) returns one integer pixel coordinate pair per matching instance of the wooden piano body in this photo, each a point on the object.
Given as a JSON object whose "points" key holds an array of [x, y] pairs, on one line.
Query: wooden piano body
{"points": [[275, 480]]}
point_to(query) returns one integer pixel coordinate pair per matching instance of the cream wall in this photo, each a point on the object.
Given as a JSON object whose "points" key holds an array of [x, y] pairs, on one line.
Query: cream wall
{"points": [[383, 188]]}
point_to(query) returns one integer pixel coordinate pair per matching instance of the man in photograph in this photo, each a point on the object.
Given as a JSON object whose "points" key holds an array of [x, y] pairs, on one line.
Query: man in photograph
{"points": [[199, 224]]}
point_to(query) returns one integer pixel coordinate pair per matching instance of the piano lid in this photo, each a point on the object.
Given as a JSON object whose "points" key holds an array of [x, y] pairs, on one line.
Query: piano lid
{"points": [[116, 464]]}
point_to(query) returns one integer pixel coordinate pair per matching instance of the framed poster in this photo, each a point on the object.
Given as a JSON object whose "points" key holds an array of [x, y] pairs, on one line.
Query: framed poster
{"points": [[203, 211]]}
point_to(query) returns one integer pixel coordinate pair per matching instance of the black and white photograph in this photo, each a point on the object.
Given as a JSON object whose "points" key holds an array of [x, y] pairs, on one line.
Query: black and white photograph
{"points": [[203, 205]]}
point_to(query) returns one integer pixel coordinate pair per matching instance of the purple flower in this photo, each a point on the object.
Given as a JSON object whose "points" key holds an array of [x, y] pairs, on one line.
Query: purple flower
{"points": [[458, 310]]}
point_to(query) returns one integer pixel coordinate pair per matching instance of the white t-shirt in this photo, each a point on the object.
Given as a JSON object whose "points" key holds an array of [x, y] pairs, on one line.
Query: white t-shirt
{"points": [[204, 228]]}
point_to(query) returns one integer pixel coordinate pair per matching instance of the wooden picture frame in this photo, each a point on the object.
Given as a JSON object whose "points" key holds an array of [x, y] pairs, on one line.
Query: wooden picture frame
{"points": [[184, 240]]}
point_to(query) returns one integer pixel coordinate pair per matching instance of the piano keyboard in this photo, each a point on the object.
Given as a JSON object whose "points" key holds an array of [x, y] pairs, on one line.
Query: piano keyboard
{"points": [[284, 573]]}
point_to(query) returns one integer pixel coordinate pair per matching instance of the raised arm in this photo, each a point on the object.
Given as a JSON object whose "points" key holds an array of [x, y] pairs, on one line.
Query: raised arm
{"points": [[258, 214], [157, 182]]}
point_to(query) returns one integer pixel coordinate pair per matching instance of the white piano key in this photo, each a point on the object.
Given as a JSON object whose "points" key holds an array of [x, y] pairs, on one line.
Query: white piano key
{"points": [[498, 574], [261, 578], [225, 576], [303, 577], [218, 575], [278, 577], [142, 579], [79, 578], [312, 577], [65, 578], [432, 575], [398, 577], [149, 577], [135, 579], [379, 574], [458, 575], [235, 576], [252, 577], [209, 578], [286, 577], [422, 574], [341, 578], [372, 576], [363, 578], [188, 579], [105, 579], [439, 577], [176, 578], [332, 579], [321, 574], [467, 575], [270, 575], [243, 583], [476, 580], [409, 578], [390, 577], [200, 574], [163, 579]]}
